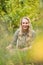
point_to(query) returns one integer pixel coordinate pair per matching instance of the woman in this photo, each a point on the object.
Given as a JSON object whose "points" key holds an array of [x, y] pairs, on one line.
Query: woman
{"points": [[24, 35]]}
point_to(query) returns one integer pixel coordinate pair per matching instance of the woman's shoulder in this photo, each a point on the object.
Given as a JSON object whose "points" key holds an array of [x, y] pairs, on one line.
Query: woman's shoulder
{"points": [[17, 30], [33, 33]]}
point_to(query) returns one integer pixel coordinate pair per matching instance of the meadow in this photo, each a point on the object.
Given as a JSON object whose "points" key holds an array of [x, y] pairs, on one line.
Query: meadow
{"points": [[9, 22]]}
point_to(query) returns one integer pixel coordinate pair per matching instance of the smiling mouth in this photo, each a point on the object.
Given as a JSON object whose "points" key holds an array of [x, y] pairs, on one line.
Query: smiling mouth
{"points": [[26, 27]]}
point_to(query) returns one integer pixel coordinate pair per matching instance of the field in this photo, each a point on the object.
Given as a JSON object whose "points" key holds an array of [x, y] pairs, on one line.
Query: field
{"points": [[8, 26]]}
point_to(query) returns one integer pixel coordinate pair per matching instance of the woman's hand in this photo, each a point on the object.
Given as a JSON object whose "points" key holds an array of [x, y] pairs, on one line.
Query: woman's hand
{"points": [[26, 48], [9, 47]]}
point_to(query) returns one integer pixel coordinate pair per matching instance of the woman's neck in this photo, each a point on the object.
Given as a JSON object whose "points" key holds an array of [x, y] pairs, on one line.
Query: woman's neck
{"points": [[24, 31]]}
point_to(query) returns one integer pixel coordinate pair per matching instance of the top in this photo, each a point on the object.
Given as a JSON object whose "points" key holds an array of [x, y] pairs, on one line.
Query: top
{"points": [[23, 40]]}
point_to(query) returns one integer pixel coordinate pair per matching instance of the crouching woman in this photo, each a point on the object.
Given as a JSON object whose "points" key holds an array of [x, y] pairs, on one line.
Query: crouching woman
{"points": [[24, 35]]}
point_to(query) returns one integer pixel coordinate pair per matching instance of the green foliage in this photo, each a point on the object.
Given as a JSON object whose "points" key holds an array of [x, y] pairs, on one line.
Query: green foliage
{"points": [[13, 10]]}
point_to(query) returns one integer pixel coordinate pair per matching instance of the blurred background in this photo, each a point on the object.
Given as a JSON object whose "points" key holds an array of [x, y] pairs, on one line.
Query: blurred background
{"points": [[11, 11]]}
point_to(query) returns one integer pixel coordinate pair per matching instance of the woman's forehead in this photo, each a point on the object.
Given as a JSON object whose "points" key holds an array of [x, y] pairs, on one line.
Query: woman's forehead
{"points": [[25, 20]]}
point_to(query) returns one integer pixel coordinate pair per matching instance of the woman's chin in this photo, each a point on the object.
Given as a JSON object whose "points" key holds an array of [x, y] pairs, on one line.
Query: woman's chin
{"points": [[25, 29]]}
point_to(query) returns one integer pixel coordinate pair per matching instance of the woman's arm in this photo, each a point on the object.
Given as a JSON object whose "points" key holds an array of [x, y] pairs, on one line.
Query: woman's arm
{"points": [[33, 34], [14, 40]]}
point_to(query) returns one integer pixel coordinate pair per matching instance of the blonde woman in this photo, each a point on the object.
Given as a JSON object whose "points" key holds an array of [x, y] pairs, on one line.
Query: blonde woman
{"points": [[24, 35]]}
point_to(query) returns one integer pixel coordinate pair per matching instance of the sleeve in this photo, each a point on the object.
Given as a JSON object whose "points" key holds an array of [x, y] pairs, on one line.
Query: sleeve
{"points": [[32, 38], [33, 34], [15, 37]]}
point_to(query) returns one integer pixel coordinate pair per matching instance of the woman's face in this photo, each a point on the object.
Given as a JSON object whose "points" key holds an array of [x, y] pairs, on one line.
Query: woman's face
{"points": [[25, 24]]}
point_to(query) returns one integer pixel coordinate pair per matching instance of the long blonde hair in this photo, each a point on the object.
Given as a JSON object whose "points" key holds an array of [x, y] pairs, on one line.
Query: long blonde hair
{"points": [[29, 33]]}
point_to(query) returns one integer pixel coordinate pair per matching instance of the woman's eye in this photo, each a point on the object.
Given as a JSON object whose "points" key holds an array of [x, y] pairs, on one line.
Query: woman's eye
{"points": [[26, 23], [23, 23]]}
